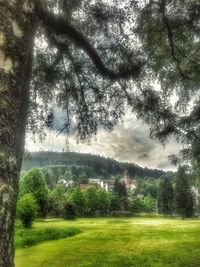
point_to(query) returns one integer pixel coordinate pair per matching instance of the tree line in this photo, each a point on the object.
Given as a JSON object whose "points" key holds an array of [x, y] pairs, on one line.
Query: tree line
{"points": [[101, 166], [168, 197], [36, 199]]}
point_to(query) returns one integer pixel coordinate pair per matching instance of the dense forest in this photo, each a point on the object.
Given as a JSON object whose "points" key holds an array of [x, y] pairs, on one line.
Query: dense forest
{"points": [[96, 165]]}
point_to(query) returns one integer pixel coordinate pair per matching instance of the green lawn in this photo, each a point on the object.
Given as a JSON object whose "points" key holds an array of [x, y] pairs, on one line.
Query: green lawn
{"points": [[120, 242]]}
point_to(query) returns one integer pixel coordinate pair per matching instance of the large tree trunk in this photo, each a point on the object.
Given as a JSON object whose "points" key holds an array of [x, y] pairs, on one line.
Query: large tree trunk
{"points": [[17, 28]]}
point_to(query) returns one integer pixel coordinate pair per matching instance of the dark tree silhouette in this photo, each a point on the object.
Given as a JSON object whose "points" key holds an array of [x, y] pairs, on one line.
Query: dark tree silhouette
{"points": [[183, 197]]}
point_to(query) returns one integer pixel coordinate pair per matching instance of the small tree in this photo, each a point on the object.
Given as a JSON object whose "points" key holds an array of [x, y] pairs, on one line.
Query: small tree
{"points": [[27, 210]]}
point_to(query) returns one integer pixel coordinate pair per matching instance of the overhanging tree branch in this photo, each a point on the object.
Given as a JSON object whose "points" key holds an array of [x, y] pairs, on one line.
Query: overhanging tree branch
{"points": [[170, 38], [59, 26]]}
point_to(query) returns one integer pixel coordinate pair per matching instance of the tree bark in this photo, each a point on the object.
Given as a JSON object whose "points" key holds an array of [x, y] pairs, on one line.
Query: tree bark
{"points": [[17, 30]]}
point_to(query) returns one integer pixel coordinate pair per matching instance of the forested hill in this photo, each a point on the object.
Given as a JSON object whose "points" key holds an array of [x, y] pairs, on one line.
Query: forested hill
{"points": [[101, 166]]}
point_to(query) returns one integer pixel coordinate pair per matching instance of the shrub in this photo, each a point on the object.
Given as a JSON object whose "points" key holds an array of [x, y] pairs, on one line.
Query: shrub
{"points": [[27, 210]]}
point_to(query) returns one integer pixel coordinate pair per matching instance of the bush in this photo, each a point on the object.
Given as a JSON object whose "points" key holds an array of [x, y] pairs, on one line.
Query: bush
{"points": [[69, 212], [27, 210]]}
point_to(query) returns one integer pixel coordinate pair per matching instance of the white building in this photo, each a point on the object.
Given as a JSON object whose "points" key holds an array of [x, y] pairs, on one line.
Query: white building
{"points": [[108, 185], [65, 183]]}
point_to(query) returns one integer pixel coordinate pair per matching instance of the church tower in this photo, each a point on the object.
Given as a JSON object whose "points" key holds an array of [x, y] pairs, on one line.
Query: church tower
{"points": [[126, 178]]}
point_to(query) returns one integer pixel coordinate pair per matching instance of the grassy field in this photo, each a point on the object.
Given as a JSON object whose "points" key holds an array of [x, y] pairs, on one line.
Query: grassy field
{"points": [[117, 242]]}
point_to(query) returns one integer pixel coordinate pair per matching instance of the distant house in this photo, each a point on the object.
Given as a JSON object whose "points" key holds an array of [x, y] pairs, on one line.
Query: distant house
{"points": [[94, 181], [130, 183], [108, 185], [65, 183]]}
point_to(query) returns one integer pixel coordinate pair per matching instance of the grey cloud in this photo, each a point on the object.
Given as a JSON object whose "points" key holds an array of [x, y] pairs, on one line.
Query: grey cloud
{"points": [[128, 142]]}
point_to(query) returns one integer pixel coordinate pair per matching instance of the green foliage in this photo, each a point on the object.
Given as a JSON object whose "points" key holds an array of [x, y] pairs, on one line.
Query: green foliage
{"points": [[168, 31], [149, 204], [33, 182], [137, 204], [26, 238], [57, 197], [92, 200], [115, 204], [121, 191], [147, 186], [49, 176], [197, 177], [183, 197], [103, 199], [83, 179], [68, 174], [27, 210], [165, 197], [59, 193], [69, 212], [79, 163], [77, 198], [125, 203]]}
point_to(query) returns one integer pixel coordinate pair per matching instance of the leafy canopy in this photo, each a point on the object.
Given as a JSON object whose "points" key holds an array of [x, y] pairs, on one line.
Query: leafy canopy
{"points": [[94, 57]]}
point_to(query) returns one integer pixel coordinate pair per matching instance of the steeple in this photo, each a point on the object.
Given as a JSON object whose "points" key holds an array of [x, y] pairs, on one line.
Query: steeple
{"points": [[126, 178]]}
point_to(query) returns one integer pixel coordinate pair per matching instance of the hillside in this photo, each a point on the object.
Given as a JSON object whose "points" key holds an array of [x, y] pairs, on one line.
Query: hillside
{"points": [[100, 166]]}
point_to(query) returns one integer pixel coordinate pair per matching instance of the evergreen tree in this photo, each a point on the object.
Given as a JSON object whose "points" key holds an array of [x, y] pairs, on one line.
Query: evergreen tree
{"points": [[116, 186], [120, 188], [115, 204], [183, 197], [165, 197]]}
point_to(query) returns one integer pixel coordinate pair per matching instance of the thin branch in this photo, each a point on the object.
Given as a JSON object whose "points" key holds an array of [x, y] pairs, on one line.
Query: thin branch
{"points": [[170, 38]]}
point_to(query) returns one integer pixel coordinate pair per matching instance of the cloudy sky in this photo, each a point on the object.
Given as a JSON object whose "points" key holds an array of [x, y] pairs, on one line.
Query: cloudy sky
{"points": [[128, 142]]}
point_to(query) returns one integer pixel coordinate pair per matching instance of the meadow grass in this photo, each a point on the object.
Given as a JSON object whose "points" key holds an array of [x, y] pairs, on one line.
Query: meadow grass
{"points": [[117, 242]]}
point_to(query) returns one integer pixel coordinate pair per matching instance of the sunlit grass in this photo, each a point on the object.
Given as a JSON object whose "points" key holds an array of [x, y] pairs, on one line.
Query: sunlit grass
{"points": [[118, 242]]}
